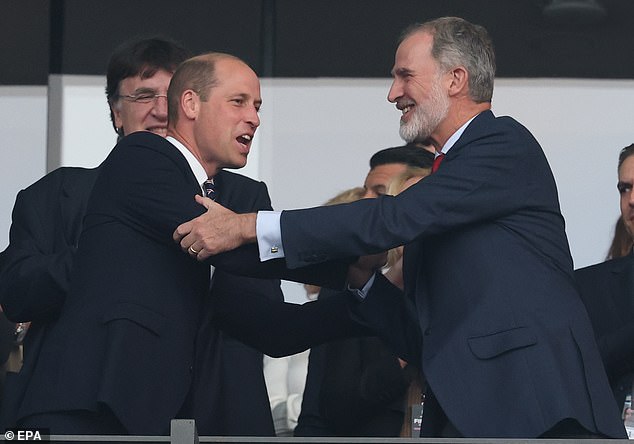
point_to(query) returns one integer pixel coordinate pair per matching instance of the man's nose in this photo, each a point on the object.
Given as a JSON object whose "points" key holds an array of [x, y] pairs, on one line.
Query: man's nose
{"points": [[395, 92], [253, 118], [160, 107]]}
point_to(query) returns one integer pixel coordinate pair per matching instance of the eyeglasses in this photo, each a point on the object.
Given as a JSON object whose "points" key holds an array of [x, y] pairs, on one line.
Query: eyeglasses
{"points": [[143, 97]]}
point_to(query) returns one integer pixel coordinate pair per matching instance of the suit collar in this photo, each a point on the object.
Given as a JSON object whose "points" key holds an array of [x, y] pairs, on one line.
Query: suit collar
{"points": [[478, 124], [194, 164], [456, 136], [157, 143]]}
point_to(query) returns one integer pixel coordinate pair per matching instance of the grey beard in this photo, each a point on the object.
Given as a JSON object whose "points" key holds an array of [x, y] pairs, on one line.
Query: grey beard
{"points": [[424, 122]]}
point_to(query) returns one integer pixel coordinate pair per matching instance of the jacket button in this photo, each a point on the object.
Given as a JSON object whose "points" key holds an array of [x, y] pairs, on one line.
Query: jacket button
{"points": [[427, 331]]}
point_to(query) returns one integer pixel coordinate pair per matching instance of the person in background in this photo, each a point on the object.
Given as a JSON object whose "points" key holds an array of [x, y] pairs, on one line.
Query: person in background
{"points": [[607, 288], [357, 386], [286, 376], [621, 241]]}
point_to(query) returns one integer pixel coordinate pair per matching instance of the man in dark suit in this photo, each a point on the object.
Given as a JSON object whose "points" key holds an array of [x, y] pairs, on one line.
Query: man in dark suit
{"points": [[607, 289], [501, 335], [47, 216], [128, 352]]}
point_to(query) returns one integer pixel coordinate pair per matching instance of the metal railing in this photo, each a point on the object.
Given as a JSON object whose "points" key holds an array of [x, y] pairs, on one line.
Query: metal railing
{"points": [[183, 431]]}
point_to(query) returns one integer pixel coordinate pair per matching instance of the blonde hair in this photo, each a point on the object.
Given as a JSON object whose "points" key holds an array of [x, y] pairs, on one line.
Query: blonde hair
{"points": [[347, 196]]}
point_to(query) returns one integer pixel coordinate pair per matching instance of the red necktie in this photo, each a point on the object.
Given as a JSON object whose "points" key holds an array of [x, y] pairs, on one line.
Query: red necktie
{"points": [[437, 160]]}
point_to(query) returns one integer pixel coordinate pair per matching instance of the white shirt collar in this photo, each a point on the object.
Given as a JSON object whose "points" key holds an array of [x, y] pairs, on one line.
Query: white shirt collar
{"points": [[455, 136], [194, 164]]}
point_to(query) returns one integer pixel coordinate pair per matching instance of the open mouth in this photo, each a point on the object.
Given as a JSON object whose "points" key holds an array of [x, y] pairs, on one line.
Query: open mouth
{"points": [[405, 110], [245, 141]]}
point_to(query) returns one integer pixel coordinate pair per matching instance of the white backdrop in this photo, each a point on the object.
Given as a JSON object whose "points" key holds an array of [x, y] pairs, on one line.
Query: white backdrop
{"points": [[318, 134]]}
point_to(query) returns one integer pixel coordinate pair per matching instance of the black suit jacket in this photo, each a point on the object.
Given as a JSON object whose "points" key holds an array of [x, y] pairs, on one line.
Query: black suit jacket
{"points": [[354, 387], [607, 290], [35, 267], [127, 336], [502, 337], [47, 222]]}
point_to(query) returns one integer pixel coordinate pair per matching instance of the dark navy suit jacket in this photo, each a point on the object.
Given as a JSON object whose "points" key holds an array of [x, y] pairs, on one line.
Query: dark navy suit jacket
{"points": [[35, 268], [501, 334], [607, 290]]}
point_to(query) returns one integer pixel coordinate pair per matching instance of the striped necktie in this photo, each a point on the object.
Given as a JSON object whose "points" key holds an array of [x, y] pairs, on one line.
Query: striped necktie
{"points": [[210, 189]]}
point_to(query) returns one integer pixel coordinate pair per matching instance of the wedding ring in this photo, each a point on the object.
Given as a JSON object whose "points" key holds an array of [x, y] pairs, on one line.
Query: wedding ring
{"points": [[192, 251]]}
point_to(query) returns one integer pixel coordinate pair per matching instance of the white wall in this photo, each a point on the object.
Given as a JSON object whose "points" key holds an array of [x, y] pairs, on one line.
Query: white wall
{"points": [[582, 125], [318, 134], [23, 149]]}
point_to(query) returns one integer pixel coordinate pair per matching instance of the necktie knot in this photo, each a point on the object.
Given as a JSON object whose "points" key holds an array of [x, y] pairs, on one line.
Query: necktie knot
{"points": [[210, 189], [437, 160]]}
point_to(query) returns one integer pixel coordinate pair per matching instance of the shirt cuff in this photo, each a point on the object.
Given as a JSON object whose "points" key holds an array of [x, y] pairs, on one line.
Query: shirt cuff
{"points": [[269, 234], [362, 293]]}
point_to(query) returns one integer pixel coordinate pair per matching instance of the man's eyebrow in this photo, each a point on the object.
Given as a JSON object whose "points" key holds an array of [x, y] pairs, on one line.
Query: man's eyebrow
{"points": [[144, 89], [401, 71]]}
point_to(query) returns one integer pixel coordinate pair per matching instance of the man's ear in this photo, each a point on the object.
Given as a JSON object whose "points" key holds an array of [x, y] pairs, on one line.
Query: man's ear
{"points": [[459, 81], [116, 114], [190, 104]]}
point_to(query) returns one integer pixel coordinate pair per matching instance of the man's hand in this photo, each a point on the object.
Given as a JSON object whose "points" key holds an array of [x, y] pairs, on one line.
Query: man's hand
{"points": [[216, 231], [360, 272]]}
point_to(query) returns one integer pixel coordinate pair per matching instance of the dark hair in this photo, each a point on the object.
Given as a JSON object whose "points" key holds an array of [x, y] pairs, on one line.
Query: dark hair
{"points": [[141, 57], [410, 154], [621, 242], [625, 153]]}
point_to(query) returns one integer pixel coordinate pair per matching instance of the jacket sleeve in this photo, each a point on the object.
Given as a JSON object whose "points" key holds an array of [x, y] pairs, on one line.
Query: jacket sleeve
{"points": [[276, 328], [34, 272], [392, 317]]}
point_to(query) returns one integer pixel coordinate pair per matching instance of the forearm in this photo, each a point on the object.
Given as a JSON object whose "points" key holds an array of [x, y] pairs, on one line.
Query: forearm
{"points": [[33, 286], [278, 328]]}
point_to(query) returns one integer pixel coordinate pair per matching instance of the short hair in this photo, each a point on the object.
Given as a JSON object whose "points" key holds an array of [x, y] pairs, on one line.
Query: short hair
{"points": [[410, 154], [197, 74], [141, 57], [458, 42], [625, 153]]}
